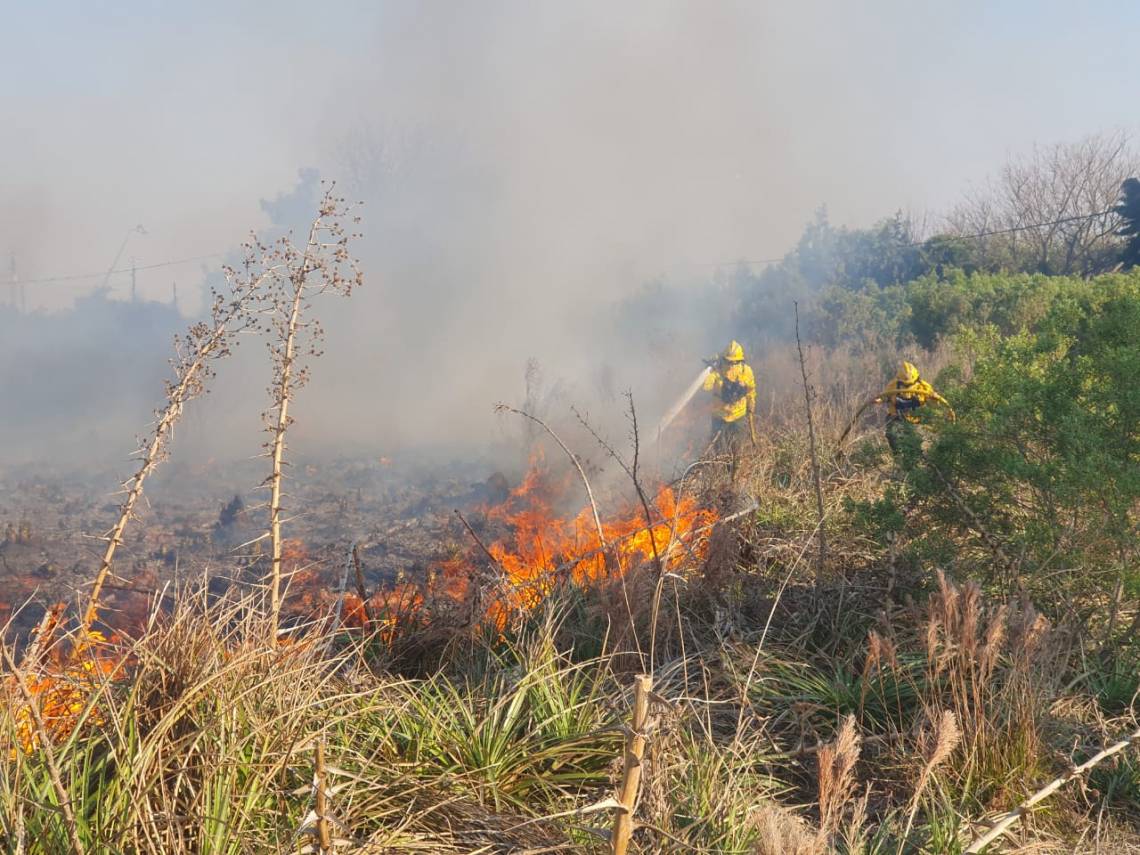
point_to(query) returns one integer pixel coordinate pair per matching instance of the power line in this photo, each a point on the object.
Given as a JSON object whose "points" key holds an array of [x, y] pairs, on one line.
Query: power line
{"points": [[950, 237], [751, 262], [1011, 230], [75, 276]]}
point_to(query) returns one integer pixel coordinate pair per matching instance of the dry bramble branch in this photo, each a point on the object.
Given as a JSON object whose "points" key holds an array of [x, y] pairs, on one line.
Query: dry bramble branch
{"points": [[204, 343], [296, 276], [1000, 827]]}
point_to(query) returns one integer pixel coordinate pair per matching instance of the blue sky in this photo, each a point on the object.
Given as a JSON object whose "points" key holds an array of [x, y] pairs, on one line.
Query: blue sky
{"points": [[612, 140]]}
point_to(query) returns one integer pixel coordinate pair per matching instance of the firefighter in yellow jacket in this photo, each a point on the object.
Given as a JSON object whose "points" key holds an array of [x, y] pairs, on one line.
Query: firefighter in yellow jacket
{"points": [[733, 387], [904, 396]]}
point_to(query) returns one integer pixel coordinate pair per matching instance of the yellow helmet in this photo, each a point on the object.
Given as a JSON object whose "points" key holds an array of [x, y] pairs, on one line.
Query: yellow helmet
{"points": [[908, 374], [734, 352]]}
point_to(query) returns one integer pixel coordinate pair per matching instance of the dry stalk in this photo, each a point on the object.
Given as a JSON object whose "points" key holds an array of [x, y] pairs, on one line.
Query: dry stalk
{"points": [[631, 469], [203, 343], [632, 766], [658, 564], [1022, 809], [361, 591], [299, 275], [504, 408], [43, 636], [45, 744], [324, 834], [811, 444]]}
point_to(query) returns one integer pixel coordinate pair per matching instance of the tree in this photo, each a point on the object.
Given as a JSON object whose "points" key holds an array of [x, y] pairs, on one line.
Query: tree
{"points": [[1052, 209], [1129, 212]]}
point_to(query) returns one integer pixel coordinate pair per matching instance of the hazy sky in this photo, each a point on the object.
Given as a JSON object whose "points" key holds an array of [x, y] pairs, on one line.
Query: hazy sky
{"points": [[520, 160], [648, 134]]}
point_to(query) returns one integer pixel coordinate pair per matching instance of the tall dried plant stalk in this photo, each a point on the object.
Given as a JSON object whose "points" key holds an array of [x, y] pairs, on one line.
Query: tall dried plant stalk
{"points": [[324, 833], [298, 275], [632, 766], [204, 343]]}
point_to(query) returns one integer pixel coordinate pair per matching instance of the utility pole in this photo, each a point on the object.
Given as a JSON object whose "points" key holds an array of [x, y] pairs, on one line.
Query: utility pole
{"points": [[107, 278], [174, 296], [17, 296], [134, 283]]}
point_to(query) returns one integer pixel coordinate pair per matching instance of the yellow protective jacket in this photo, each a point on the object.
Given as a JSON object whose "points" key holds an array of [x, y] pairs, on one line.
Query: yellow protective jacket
{"points": [[734, 391], [903, 401]]}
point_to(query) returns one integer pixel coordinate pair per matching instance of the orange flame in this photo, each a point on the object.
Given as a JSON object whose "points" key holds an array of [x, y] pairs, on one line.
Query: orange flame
{"points": [[540, 549], [545, 548], [64, 687]]}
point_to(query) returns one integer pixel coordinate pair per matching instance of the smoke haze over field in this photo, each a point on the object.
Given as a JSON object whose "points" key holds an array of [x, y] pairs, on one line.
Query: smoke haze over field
{"points": [[524, 166]]}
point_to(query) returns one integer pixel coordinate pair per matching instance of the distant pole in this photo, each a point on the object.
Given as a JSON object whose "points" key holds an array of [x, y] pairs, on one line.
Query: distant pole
{"points": [[174, 297], [136, 230], [18, 296], [134, 282]]}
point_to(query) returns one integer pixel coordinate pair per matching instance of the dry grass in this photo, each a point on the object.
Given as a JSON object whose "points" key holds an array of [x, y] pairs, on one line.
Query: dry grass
{"points": [[875, 707]]}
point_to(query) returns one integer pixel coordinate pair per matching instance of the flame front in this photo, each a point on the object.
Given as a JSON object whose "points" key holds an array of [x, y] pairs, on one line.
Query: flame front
{"points": [[536, 549], [544, 548]]}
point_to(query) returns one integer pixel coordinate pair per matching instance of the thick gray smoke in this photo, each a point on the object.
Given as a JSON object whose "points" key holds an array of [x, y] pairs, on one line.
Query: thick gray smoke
{"points": [[525, 167]]}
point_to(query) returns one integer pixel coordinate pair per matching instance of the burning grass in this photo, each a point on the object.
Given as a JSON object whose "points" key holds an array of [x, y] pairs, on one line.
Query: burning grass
{"points": [[911, 720], [533, 550], [869, 703], [482, 705]]}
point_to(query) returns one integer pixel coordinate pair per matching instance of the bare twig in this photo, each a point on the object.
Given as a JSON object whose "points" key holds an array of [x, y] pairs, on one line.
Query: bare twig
{"points": [[631, 471], [854, 419], [361, 591], [478, 542], [504, 408], [814, 456], [42, 636]]}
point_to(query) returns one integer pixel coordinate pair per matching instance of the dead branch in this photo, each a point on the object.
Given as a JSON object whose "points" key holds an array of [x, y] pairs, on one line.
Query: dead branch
{"points": [[324, 834], [478, 542], [501, 408], [361, 591], [1022, 809]]}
